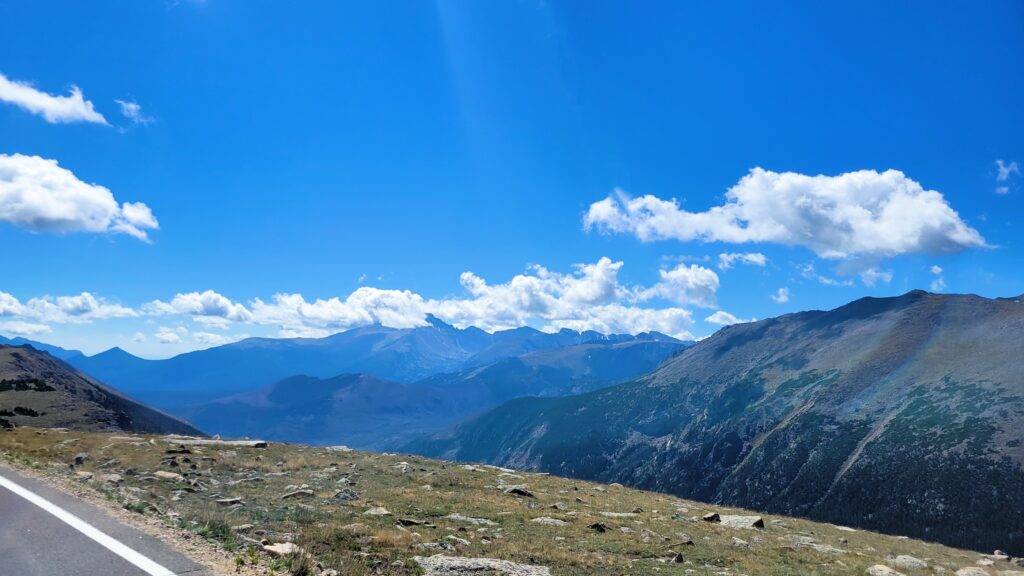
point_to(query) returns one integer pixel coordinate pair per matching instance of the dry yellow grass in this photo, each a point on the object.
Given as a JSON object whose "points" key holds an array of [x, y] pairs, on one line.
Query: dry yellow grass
{"points": [[644, 530]]}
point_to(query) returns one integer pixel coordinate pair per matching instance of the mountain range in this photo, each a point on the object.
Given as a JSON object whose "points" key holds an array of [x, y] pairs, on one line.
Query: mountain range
{"points": [[399, 355], [902, 415], [364, 411], [37, 389]]}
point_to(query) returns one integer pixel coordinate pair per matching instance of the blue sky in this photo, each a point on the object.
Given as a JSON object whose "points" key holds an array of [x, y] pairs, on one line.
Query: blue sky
{"points": [[319, 150]]}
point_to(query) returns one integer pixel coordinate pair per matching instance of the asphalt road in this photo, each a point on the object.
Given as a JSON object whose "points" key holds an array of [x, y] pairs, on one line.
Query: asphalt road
{"points": [[44, 532]]}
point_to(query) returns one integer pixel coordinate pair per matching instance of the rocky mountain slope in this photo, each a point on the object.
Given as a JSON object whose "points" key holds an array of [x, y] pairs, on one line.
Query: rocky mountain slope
{"points": [[37, 389], [291, 509], [367, 412], [400, 355], [904, 415]]}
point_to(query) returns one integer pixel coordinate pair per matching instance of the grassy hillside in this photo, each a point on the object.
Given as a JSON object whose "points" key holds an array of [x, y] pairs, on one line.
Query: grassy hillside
{"points": [[360, 513], [37, 389], [903, 415]]}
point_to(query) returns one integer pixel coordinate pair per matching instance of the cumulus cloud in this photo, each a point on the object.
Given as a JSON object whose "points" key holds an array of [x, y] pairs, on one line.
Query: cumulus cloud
{"points": [[856, 214], [207, 304], [936, 269], [19, 328], [723, 318], [212, 339], [683, 284], [38, 195], [139, 337], [54, 109], [133, 112], [166, 335], [781, 296], [726, 261]]}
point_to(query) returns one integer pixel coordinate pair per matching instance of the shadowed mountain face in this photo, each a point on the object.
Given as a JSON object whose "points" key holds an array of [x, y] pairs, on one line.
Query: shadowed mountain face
{"points": [[367, 412], [400, 355], [899, 414], [37, 389]]}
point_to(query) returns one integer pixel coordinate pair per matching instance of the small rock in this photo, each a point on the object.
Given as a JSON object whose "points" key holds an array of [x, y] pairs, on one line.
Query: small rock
{"points": [[549, 521], [80, 458], [908, 562], [229, 501], [411, 522], [881, 570], [519, 490], [346, 495], [281, 549], [165, 475], [711, 517], [297, 494], [469, 520], [242, 528], [972, 571], [598, 527], [377, 511]]}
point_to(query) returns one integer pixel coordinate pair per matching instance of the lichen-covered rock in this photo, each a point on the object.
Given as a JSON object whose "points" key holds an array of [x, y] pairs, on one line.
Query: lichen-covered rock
{"points": [[441, 565]]}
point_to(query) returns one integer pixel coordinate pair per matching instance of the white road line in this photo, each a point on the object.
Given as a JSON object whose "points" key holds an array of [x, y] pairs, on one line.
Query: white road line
{"points": [[140, 561]]}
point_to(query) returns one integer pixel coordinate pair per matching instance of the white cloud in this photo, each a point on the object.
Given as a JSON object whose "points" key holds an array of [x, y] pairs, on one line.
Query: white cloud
{"points": [[808, 271], [20, 328], [1002, 190], [938, 285], [78, 309], [201, 304], [936, 269], [723, 318], [864, 213], [872, 276], [1004, 170], [38, 195], [133, 112], [212, 339], [139, 337], [589, 298], [165, 335], [683, 284], [726, 261], [781, 296], [55, 109]]}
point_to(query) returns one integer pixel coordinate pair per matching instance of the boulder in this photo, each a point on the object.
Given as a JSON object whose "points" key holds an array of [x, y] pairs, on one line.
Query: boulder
{"points": [[972, 571], [165, 475], [742, 521], [711, 517]]}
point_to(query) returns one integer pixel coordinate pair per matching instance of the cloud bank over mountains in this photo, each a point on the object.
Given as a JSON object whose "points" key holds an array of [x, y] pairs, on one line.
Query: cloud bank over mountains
{"points": [[590, 297]]}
